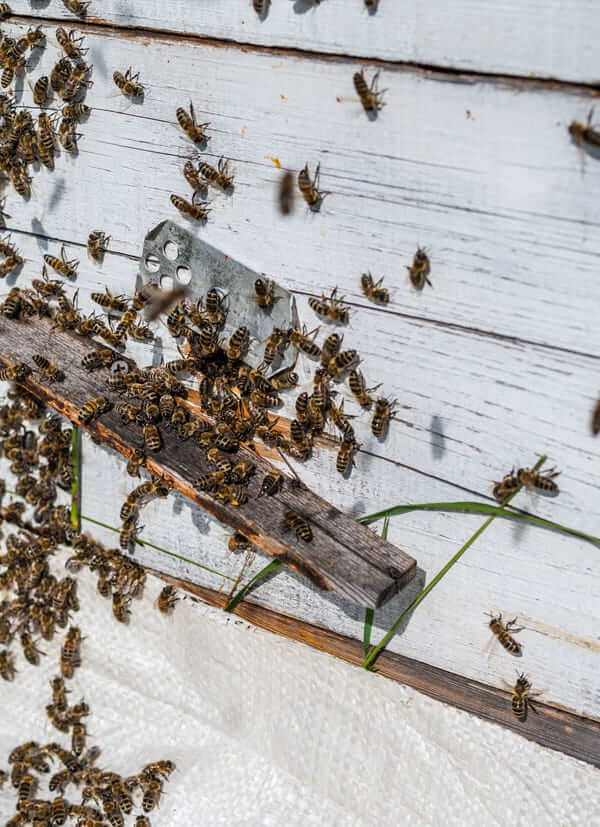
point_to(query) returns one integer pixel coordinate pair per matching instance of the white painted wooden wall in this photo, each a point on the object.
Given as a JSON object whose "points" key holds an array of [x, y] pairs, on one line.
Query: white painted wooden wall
{"points": [[494, 365]]}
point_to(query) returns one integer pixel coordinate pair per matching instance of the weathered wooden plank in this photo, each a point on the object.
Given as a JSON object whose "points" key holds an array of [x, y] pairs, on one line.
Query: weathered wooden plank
{"points": [[343, 557], [503, 215], [551, 727], [546, 39]]}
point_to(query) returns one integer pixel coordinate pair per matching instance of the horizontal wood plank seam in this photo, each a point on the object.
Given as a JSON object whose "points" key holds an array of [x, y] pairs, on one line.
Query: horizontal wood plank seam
{"points": [[442, 73]]}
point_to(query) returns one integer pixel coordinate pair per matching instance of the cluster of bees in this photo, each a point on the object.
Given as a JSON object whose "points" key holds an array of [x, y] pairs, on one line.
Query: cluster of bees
{"points": [[22, 142], [527, 477], [521, 698]]}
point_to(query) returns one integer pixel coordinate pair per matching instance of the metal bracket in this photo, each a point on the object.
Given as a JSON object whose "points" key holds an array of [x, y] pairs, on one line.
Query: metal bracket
{"points": [[172, 255]]}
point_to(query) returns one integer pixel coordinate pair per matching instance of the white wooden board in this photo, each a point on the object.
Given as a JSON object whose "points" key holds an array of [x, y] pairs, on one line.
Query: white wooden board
{"points": [[510, 218], [544, 38]]}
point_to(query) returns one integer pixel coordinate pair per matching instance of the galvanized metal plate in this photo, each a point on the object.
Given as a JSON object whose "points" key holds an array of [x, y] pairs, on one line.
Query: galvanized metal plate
{"points": [[172, 255]]}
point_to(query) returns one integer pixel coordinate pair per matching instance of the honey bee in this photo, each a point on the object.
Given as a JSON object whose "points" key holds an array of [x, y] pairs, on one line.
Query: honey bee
{"points": [[50, 371], [26, 787], [521, 698], [30, 650], [93, 409], [129, 83], [286, 193], [162, 769], [151, 795], [59, 693], [508, 485], [166, 599], [69, 658], [214, 307], [374, 290], [274, 346], [58, 811], [40, 90], [238, 344], [7, 666], [60, 74], [419, 270], [309, 189], [219, 460], [127, 533], [357, 384], [233, 494], [218, 177], [67, 135], [263, 293], [191, 176], [142, 821], [79, 7], [20, 179], [104, 357], [69, 43], [533, 479], [190, 208], [502, 631], [331, 308], [152, 438], [96, 247], [584, 132], [595, 425], [60, 781], [285, 380], [10, 263], [45, 140], [59, 721], [78, 738], [66, 268], [384, 411], [17, 371], [209, 482], [299, 526], [47, 287], [194, 130], [5, 10], [300, 339], [370, 96], [128, 413], [74, 112], [341, 362]]}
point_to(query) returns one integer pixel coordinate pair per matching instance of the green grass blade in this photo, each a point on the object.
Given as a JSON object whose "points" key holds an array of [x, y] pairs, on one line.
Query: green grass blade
{"points": [[75, 479], [274, 564], [370, 613], [376, 650]]}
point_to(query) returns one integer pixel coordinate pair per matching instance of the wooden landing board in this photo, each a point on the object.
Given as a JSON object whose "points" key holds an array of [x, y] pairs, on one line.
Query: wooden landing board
{"points": [[551, 727], [344, 556]]}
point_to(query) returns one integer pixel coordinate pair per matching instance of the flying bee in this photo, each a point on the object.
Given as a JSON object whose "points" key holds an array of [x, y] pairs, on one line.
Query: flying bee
{"points": [[358, 386], [96, 247], [217, 177], [309, 189], [533, 479], [69, 43], [521, 697], [190, 208], [585, 132], [40, 90], [166, 600], [238, 344], [75, 112], [93, 409], [419, 270], [16, 371], [194, 130], [50, 371], [128, 83], [341, 362], [299, 526], [331, 308], [275, 344], [374, 290], [285, 195], [60, 74], [285, 380], [384, 411], [66, 268], [508, 485], [504, 633], [79, 7], [370, 96], [152, 437], [300, 339]]}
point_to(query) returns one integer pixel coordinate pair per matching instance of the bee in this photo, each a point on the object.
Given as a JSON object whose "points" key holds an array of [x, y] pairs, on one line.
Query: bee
{"points": [[74, 112], [331, 308], [96, 247], [120, 603], [79, 7], [127, 533], [209, 482], [299, 526], [166, 599], [99, 358], [60, 74], [152, 438], [129, 83], [26, 787], [331, 347], [301, 340], [218, 177], [30, 650], [17, 371], [285, 380], [9, 264], [59, 781], [533, 479], [193, 179], [50, 371], [265, 400], [275, 344], [341, 362], [271, 484], [370, 96], [78, 738], [69, 658], [58, 808], [584, 132], [67, 135], [190, 208], [69, 43], [151, 795], [214, 307], [93, 409], [286, 193], [309, 189], [66, 268], [340, 420], [521, 698], [503, 631], [357, 384], [47, 287], [596, 419], [233, 494], [238, 344], [59, 694], [128, 413], [219, 460], [506, 487], [5, 10], [20, 179], [142, 821], [40, 90], [45, 140], [263, 293], [374, 290], [384, 411], [159, 768], [194, 130], [7, 666], [419, 270]]}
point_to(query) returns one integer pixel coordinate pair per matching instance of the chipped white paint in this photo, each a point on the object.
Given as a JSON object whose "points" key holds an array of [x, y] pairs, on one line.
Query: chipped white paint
{"points": [[546, 38], [510, 215]]}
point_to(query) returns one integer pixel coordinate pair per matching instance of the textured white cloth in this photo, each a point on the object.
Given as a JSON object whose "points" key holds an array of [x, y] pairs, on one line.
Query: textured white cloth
{"points": [[265, 731]]}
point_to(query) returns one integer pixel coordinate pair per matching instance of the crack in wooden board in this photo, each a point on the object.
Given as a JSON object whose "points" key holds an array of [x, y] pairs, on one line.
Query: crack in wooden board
{"points": [[344, 556]]}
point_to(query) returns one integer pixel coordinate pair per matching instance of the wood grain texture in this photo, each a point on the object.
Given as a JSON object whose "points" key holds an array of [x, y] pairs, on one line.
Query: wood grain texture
{"points": [[551, 727], [344, 557], [544, 38], [494, 365]]}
